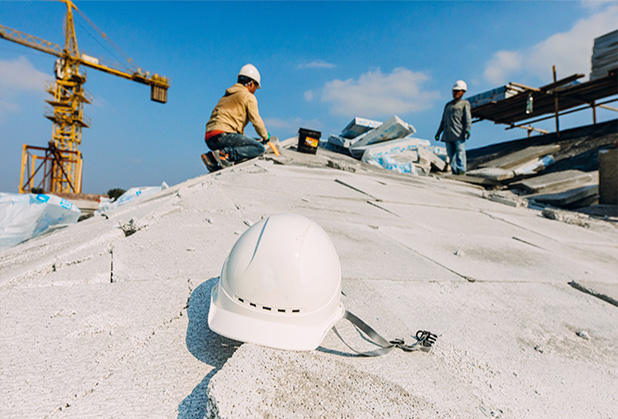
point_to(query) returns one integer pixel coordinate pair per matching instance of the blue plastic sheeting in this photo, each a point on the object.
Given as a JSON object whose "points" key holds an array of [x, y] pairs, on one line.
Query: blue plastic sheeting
{"points": [[24, 216]]}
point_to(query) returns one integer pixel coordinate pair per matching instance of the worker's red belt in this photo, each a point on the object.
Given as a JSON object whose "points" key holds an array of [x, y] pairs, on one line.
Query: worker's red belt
{"points": [[211, 134]]}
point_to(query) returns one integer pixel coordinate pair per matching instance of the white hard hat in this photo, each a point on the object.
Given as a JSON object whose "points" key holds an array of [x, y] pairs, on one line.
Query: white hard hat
{"points": [[460, 85], [249, 70], [280, 286]]}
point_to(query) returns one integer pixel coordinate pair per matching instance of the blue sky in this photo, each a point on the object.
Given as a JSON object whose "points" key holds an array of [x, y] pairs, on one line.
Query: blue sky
{"points": [[322, 63]]}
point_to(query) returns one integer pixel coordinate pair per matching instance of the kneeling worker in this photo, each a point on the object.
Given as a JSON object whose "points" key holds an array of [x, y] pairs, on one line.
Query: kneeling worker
{"points": [[225, 129]]}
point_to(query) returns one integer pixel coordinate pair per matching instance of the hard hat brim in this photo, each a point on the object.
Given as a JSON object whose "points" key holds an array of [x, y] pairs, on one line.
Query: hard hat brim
{"points": [[263, 332]]}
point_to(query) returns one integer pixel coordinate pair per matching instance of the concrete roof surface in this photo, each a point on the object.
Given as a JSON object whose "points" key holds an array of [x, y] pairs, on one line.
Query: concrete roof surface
{"points": [[99, 324]]}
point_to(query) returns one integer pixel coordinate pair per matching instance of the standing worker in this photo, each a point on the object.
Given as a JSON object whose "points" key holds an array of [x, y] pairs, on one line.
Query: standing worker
{"points": [[455, 128], [225, 129]]}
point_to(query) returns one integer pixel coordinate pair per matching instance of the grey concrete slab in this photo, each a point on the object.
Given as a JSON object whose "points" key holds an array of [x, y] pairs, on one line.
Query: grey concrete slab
{"points": [[283, 384], [454, 219], [167, 374], [561, 199], [474, 180], [59, 343], [433, 194], [591, 248], [485, 357], [23, 264], [137, 348], [366, 252], [186, 245], [552, 181], [518, 158], [558, 231], [492, 173], [494, 258]]}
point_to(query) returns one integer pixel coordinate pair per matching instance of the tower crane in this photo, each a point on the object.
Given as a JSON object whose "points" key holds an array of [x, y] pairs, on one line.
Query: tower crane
{"points": [[60, 164]]}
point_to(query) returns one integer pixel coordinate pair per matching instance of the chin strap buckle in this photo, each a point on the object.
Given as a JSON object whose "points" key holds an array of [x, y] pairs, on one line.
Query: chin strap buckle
{"points": [[424, 342]]}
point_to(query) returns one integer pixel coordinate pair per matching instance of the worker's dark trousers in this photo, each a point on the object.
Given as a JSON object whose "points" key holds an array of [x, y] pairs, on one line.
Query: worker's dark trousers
{"points": [[456, 151], [238, 147]]}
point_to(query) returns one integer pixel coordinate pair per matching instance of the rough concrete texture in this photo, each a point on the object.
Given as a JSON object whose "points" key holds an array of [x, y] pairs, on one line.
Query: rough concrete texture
{"points": [[96, 323], [288, 384]]}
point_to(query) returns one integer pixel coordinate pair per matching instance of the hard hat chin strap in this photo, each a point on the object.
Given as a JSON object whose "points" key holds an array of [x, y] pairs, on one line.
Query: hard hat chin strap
{"points": [[424, 339]]}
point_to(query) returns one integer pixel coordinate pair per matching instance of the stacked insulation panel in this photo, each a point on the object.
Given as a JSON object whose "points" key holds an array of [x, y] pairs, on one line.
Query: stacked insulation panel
{"points": [[604, 55]]}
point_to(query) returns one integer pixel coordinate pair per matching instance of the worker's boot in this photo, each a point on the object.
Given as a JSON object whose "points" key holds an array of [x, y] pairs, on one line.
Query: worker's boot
{"points": [[223, 159], [211, 161]]}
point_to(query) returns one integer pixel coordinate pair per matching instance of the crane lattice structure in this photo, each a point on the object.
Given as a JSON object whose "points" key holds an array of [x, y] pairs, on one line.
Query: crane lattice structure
{"points": [[60, 164]]}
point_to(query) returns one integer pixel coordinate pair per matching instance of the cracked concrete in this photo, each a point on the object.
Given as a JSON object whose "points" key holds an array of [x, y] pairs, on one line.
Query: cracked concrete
{"points": [[99, 323]]}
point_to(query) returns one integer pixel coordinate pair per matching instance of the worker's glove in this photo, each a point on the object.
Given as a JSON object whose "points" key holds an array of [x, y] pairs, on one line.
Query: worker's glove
{"points": [[437, 137], [467, 134]]}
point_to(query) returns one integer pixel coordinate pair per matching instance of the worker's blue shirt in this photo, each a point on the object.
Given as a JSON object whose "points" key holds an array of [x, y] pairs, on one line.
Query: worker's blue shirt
{"points": [[456, 120]]}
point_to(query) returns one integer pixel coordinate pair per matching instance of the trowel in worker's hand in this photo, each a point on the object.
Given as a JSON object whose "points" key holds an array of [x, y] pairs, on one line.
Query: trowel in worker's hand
{"points": [[273, 143]]}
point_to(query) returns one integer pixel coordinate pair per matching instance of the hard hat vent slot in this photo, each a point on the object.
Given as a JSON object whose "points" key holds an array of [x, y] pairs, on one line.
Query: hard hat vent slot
{"points": [[277, 310]]}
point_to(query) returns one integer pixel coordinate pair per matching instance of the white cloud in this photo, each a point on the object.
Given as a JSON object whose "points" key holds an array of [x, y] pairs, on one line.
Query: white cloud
{"points": [[376, 94], [596, 4], [502, 64], [569, 51], [308, 95], [317, 64], [19, 75]]}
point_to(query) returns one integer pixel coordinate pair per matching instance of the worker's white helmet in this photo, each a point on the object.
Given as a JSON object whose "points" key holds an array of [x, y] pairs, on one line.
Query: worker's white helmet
{"points": [[249, 70], [280, 286], [460, 85]]}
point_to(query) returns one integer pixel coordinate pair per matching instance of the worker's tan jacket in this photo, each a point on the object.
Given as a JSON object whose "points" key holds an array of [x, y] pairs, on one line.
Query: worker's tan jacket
{"points": [[234, 111]]}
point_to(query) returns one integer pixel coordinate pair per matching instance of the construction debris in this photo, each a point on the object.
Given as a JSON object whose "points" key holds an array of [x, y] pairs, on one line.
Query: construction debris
{"points": [[552, 171], [493, 173], [566, 217], [505, 198], [555, 181], [522, 157], [569, 197], [389, 145]]}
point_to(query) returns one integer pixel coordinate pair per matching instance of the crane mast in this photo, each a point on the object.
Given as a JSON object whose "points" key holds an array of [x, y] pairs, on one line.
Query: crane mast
{"points": [[61, 162]]}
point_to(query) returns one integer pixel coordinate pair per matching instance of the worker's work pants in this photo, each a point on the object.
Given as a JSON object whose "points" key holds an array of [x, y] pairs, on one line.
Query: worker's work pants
{"points": [[238, 147], [456, 151]]}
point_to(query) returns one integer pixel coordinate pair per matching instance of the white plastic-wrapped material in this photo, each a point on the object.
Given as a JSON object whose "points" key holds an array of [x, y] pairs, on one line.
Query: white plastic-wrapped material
{"points": [[494, 95], [397, 155], [24, 216], [359, 126], [129, 196], [392, 129]]}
